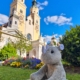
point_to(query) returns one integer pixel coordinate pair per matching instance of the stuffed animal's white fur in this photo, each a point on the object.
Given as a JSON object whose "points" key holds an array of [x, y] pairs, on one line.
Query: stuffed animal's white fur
{"points": [[53, 68]]}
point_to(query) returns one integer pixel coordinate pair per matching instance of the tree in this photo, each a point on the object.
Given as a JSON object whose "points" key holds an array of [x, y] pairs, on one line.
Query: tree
{"points": [[22, 43], [71, 41], [8, 51]]}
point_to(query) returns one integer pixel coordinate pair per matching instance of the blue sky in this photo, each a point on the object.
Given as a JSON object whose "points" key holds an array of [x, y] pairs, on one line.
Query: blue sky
{"points": [[56, 15]]}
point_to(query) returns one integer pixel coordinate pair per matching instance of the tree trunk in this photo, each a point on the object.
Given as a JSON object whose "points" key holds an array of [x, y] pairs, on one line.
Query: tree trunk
{"points": [[20, 52]]}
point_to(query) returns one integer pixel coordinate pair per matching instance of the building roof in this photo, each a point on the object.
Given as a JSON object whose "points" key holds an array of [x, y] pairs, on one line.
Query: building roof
{"points": [[0, 27], [5, 25], [34, 3], [35, 41], [14, 16]]}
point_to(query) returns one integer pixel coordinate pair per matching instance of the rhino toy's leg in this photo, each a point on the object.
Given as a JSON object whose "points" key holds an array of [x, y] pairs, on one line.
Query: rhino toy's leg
{"points": [[58, 74], [39, 74]]}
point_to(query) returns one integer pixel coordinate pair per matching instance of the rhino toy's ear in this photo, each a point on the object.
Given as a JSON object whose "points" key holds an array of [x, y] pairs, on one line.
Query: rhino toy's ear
{"points": [[43, 49], [61, 47]]}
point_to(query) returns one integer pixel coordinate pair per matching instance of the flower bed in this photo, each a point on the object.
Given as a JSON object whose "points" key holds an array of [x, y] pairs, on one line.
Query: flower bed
{"points": [[31, 63]]}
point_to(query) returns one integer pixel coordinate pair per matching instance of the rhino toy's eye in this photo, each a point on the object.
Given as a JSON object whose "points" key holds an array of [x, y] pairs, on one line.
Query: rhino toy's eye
{"points": [[52, 51]]}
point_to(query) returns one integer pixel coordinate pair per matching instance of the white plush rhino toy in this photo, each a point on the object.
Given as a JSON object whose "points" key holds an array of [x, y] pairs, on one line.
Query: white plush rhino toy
{"points": [[52, 68]]}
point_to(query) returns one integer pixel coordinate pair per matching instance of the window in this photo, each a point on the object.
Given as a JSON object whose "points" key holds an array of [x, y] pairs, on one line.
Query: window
{"points": [[29, 22], [15, 22], [33, 22], [36, 21], [10, 22], [21, 11], [29, 36]]}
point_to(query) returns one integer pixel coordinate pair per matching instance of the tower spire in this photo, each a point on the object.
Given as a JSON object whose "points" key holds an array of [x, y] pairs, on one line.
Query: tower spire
{"points": [[34, 3]]}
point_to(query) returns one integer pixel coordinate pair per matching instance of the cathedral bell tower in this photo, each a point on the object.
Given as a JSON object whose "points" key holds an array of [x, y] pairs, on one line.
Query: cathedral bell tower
{"points": [[34, 12], [18, 15]]}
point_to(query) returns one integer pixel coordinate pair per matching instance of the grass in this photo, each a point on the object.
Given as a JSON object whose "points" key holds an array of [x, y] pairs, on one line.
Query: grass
{"points": [[73, 76], [9, 73]]}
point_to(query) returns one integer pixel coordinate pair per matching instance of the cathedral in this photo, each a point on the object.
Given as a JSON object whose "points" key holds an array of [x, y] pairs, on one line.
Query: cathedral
{"points": [[28, 26]]}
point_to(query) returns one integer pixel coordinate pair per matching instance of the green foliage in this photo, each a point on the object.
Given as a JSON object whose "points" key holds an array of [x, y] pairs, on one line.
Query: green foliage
{"points": [[27, 62], [38, 66], [22, 43], [16, 64], [8, 51], [1, 56], [71, 41]]}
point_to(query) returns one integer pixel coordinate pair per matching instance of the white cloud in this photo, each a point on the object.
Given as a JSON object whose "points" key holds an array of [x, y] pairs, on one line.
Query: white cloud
{"points": [[45, 20], [48, 38], [59, 20], [3, 18], [45, 3], [41, 8], [41, 5]]}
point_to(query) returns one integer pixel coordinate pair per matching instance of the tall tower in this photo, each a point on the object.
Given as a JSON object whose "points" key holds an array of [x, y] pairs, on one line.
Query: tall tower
{"points": [[34, 12], [18, 15]]}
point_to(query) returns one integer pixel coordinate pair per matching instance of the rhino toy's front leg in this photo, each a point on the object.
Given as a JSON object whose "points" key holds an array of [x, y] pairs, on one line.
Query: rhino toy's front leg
{"points": [[39, 74], [58, 74]]}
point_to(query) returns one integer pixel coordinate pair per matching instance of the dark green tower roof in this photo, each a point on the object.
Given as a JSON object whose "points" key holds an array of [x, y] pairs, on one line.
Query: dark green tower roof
{"points": [[34, 3]]}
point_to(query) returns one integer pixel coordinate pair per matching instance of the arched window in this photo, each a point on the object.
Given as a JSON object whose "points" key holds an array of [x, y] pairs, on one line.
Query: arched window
{"points": [[34, 53], [36, 21], [21, 11], [29, 36], [15, 22]]}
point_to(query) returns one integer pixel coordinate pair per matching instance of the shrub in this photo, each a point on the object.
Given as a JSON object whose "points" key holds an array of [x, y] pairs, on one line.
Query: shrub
{"points": [[26, 62], [71, 41], [8, 51], [38, 66], [22, 62], [2, 57], [8, 62], [34, 62], [16, 64], [26, 66]]}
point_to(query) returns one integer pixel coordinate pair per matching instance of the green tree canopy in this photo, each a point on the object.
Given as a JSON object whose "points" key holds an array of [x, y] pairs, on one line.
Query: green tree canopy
{"points": [[9, 50], [71, 41], [22, 43]]}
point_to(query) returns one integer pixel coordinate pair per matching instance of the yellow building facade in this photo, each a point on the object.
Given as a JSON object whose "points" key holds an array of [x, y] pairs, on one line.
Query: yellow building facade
{"points": [[28, 25]]}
